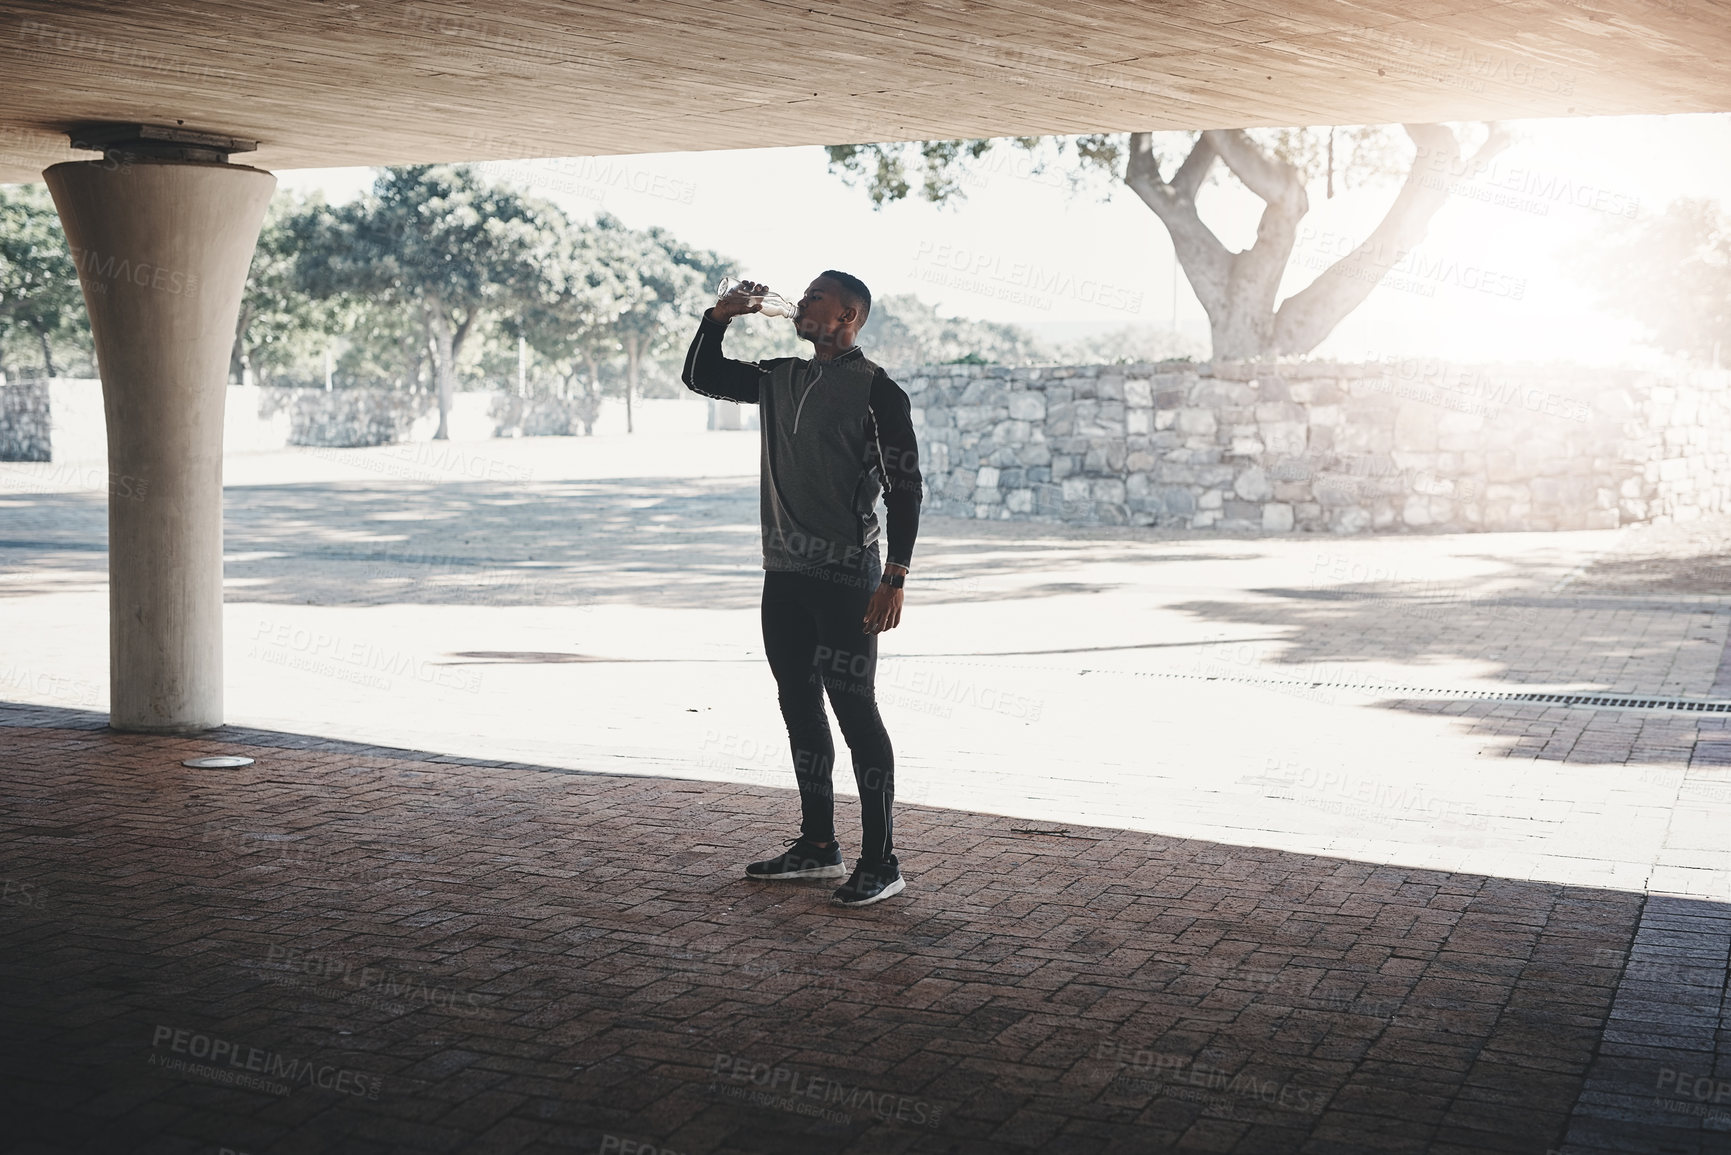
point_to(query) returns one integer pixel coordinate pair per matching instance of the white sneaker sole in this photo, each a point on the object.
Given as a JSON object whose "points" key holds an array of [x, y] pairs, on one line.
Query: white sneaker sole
{"points": [[836, 871], [889, 891]]}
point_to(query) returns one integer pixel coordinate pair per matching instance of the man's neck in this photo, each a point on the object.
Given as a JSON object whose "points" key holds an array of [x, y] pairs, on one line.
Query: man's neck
{"points": [[829, 347]]}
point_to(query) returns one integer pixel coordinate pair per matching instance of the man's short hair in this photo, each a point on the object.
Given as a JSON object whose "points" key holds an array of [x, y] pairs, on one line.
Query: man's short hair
{"points": [[854, 290]]}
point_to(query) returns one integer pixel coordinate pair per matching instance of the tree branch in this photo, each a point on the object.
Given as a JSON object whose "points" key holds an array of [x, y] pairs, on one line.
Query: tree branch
{"points": [[1498, 139], [1273, 180], [1253, 277], [1194, 170], [1206, 262], [1308, 316]]}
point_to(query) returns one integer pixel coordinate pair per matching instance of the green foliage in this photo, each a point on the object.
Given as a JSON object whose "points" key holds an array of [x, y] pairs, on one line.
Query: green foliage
{"points": [[379, 344], [1672, 274], [1128, 345], [666, 283], [424, 234], [600, 305], [569, 319], [904, 331], [41, 305], [282, 329], [1362, 154]]}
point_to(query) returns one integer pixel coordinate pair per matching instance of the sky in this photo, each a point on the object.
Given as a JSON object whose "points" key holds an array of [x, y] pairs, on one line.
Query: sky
{"points": [[1490, 282]]}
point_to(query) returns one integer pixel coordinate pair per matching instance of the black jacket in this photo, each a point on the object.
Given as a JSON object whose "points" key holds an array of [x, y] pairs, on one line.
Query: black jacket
{"points": [[834, 435]]}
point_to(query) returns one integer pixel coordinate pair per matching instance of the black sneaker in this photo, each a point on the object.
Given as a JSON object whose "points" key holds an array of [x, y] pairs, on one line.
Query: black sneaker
{"points": [[871, 882], [801, 860]]}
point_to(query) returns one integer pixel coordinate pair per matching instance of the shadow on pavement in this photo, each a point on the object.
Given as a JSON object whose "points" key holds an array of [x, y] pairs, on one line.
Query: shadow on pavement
{"points": [[1648, 646], [350, 948], [671, 542]]}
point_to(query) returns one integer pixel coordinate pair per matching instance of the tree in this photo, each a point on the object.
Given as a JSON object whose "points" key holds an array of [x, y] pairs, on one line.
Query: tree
{"points": [[570, 319], [39, 291], [1672, 274], [1237, 289], [663, 283], [433, 239], [280, 325], [903, 330], [384, 345]]}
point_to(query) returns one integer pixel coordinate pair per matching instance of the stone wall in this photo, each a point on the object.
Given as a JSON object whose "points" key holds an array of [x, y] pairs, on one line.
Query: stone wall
{"points": [[1676, 449], [346, 418], [62, 420], [540, 416], [1324, 447], [1306, 446], [25, 422]]}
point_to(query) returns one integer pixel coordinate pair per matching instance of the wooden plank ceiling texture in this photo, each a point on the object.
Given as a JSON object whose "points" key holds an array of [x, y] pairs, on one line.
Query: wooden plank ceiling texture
{"points": [[323, 82]]}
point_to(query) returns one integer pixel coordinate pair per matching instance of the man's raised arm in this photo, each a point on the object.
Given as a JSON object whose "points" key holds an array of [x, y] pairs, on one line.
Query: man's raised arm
{"points": [[713, 375]]}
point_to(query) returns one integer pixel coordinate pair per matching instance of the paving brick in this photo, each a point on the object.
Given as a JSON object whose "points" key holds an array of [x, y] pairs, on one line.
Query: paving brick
{"points": [[593, 1016]]}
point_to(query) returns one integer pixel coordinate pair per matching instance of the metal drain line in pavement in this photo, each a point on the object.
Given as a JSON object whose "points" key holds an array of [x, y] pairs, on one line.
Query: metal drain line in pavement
{"points": [[1596, 701], [1589, 699]]}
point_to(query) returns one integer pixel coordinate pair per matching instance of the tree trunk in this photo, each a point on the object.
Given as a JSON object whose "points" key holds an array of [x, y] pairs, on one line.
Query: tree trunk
{"points": [[1310, 315], [1243, 327], [1205, 261], [47, 353], [1236, 290], [592, 397], [444, 365], [633, 357], [237, 355]]}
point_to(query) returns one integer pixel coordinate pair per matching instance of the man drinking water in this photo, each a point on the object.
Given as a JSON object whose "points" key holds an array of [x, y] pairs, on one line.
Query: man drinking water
{"points": [[835, 432]]}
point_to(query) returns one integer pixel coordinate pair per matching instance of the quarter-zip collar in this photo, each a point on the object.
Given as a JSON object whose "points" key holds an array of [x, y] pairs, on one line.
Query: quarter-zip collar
{"points": [[814, 372]]}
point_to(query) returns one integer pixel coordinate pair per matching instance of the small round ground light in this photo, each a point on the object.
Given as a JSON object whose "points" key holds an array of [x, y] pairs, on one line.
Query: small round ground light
{"points": [[225, 762]]}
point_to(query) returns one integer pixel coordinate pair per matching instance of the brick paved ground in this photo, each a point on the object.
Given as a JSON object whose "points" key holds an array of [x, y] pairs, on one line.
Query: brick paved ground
{"points": [[1213, 843], [521, 958]]}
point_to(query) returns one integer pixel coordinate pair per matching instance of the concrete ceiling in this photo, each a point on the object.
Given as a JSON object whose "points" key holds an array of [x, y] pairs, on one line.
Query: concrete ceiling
{"points": [[320, 82]]}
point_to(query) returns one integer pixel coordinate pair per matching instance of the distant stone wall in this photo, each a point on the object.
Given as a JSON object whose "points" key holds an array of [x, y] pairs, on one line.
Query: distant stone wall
{"points": [[346, 418], [1676, 448], [540, 416], [62, 420], [1324, 447], [1305, 446], [25, 422]]}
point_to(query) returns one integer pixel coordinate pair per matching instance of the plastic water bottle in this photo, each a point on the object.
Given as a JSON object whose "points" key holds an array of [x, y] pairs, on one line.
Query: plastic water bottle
{"points": [[771, 304]]}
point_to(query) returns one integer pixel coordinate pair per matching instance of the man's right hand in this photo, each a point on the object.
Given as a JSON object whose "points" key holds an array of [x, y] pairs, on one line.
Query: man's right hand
{"points": [[739, 300]]}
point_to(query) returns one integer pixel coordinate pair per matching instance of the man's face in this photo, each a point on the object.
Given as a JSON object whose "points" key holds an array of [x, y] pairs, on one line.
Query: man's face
{"points": [[819, 313]]}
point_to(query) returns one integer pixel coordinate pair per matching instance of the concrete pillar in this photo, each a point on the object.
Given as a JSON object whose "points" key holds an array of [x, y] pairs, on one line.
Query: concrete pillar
{"points": [[162, 248]]}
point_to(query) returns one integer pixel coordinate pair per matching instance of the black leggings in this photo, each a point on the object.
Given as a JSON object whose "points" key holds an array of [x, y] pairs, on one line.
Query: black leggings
{"points": [[814, 639]]}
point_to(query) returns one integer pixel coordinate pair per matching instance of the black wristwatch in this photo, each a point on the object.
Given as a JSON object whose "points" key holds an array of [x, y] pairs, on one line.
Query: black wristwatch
{"points": [[895, 580]]}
